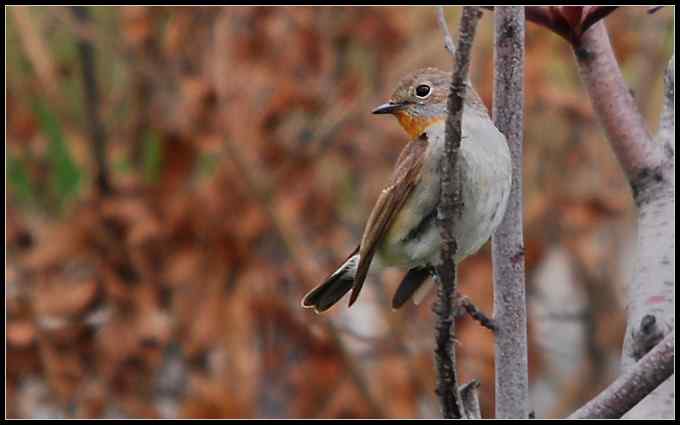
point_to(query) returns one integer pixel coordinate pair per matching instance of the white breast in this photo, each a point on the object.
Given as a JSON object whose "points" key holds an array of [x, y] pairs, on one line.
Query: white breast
{"points": [[484, 159]]}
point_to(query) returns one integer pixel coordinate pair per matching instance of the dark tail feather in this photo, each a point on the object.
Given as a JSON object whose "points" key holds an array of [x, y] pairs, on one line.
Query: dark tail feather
{"points": [[328, 293], [409, 285]]}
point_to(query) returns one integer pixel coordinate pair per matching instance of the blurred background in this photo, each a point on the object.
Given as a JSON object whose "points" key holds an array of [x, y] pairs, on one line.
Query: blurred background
{"points": [[178, 177]]}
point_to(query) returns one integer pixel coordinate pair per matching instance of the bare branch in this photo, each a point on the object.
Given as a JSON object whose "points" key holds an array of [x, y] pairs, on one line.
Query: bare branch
{"points": [[651, 291], [469, 393], [650, 167], [512, 387], [449, 209], [477, 314], [448, 40], [96, 128], [634, 385], [615, 107]]}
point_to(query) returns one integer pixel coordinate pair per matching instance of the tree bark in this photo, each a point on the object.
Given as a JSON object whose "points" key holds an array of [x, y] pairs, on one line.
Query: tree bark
{"points": [[649, 165], [512, 384], [452, 402], [633, 385], [651, 312]]}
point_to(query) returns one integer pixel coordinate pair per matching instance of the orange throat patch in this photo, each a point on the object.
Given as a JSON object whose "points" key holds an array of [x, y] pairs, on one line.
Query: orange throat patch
{"points": [[415, 126]]}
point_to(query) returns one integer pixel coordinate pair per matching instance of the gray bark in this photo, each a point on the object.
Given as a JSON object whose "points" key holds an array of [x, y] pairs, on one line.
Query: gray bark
{"points": [[633, 385], [651, 312], [649, 165], [512, 387], [452, 402]]}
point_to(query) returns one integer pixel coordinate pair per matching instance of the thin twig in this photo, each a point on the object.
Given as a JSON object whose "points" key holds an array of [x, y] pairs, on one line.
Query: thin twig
{"points": [[477, 314], [449, 210], [96, 129], [634, 385], [448, 40]]}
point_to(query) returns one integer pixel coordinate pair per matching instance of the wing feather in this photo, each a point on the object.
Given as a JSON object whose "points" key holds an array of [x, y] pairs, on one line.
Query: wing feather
{"points": [[405, 178]]}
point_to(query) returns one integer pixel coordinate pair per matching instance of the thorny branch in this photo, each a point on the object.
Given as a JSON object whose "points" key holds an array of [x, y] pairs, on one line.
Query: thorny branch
{"points": [[450, 398]]}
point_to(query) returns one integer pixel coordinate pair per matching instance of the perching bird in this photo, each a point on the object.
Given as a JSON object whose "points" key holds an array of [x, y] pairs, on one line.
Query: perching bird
{"points": [[402, 228]]}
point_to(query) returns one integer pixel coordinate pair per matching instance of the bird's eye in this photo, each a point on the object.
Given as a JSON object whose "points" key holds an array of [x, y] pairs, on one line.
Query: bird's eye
{"points": [[423, 91]]}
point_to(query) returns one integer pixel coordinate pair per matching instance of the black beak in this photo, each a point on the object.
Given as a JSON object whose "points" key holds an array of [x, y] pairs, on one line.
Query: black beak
{"points": [[387, 108]]}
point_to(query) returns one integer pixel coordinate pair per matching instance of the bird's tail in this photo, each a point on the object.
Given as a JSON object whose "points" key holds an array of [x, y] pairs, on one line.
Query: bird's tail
{"points": [[332, 289]]}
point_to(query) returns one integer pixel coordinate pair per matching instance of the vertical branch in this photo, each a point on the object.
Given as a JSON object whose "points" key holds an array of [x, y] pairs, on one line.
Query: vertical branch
{"points": [[449, 210], [512, 387], [96, 129], [650, 168]]}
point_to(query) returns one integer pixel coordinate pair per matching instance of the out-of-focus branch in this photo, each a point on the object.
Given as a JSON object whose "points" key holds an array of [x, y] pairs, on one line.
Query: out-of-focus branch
{"points": [[37, 51], [448, 40], [449, 209], [259, 184], [633, 385], [512, 383], [91, 92]]}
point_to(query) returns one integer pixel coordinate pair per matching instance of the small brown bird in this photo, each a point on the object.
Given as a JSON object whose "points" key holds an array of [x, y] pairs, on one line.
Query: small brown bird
{"points": [[402, 230]]}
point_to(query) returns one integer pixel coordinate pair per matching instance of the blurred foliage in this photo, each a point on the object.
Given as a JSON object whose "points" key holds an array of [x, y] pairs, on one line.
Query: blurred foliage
{"points": [[244, 163]]}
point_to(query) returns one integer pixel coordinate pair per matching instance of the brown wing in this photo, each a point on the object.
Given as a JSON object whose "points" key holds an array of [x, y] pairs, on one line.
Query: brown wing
{"points": [[405, 177]]}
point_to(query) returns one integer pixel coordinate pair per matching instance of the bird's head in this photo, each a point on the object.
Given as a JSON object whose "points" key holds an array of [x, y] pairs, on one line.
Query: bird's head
{"points": [[420, 100]]}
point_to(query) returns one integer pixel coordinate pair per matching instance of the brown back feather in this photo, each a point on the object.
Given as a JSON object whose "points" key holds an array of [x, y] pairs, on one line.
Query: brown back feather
{"points": [[405, 177]]}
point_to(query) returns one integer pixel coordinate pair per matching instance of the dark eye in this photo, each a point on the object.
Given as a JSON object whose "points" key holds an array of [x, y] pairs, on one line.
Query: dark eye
{"points": [[423, 91]]}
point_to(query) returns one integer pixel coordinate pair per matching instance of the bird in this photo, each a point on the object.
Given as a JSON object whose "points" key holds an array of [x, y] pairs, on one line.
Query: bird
{"points": [[402, 229]]}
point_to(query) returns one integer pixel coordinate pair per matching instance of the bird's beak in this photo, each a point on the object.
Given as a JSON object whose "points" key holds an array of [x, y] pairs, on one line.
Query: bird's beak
{"points": [[388, 108]]}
